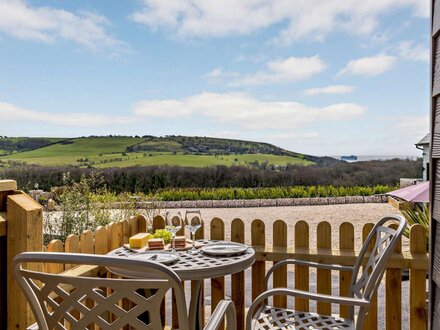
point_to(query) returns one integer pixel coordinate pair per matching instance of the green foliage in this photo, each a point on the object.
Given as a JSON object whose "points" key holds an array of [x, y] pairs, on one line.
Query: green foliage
{"points": [[163, 233], [11, 145], [267, 193], [88, 204], [419, 215]]}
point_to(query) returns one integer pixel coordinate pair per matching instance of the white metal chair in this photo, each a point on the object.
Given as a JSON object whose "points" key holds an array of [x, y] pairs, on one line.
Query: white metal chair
{"points": [[73, 302], [365, 280]]}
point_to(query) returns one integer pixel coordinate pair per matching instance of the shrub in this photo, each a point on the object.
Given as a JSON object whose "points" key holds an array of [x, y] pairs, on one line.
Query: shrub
{"points": [[266, 193], [418, 215]]}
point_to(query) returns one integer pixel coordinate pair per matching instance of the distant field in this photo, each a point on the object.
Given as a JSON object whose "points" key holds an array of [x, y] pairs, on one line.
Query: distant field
{"points": [[134, 159], [112, 152]]}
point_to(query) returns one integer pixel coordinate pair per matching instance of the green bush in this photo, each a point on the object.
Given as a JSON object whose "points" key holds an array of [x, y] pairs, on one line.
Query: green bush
{"points": [[266, 193], [88, 204]]}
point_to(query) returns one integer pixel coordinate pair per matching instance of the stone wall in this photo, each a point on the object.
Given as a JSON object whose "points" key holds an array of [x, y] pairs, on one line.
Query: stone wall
{"points": [[201, 204]]}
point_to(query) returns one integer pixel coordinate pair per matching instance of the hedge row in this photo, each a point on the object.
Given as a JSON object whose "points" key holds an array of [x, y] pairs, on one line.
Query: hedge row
{"points": [[267, 193]]}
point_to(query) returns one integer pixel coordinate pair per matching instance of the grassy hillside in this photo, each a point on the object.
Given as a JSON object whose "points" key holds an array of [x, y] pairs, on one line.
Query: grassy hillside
{"points": [[105, 152], [9, 145]]}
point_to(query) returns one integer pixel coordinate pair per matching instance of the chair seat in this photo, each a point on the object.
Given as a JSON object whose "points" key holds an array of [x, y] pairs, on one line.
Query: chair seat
{"points": [[269, 317]]}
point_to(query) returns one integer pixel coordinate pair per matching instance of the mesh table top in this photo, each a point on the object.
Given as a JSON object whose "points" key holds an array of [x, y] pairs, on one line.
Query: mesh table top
{"points": [[195, 266]]}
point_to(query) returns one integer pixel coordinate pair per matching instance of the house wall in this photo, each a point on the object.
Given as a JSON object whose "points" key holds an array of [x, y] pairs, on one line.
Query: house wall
{"points": [[425, 163]]}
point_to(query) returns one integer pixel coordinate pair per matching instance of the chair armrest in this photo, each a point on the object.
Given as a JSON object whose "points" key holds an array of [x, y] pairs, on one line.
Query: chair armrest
{"points": [[305, 263], [224, 310]]}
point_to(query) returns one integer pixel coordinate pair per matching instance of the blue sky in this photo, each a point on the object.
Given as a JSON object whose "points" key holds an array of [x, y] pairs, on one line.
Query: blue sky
{"points": [[319, 77]]}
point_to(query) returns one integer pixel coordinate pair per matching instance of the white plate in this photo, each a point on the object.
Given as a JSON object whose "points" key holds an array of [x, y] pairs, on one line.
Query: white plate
{"points": [[224, 249], [163, 257]]}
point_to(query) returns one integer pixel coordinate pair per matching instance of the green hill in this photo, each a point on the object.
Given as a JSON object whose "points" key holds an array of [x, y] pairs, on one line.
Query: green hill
{"points": [[116, 151]]}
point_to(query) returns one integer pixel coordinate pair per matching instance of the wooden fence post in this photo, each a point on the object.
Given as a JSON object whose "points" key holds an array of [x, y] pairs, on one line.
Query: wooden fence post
{"points": [[393, 293], [324, 276], [280, 275], [346, 243], [7, 187], [417, 281], [371, 320], [302, 272], [258, 238], [237, 280], [218, 283], [24, 233]]}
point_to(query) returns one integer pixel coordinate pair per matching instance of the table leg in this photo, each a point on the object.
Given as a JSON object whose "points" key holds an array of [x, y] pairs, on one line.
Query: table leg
{"points": [[194, 313]]}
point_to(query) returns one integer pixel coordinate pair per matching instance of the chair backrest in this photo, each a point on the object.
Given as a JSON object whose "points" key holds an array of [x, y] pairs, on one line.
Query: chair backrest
{"points": [[72, 302], [380, 245]]}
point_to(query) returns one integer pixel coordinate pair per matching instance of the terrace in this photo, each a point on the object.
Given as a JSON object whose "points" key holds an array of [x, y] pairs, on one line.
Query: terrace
{"points": [[21, 229]]}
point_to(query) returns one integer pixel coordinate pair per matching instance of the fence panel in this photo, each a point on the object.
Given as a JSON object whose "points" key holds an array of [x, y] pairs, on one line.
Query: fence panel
{"points": [[258, 237], [101, 243], [324, 276], [237, 280], [417, 281], [86, 242], [218, 283], [71, 246], [55, 246], [280, 275], [133, 224], [346, 243], [200, 234], [371, 320], [393, 293], [302, 272]]}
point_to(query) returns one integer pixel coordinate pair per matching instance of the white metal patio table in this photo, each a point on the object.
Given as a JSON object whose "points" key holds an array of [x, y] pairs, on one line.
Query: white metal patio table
{"points": [[194, 267]]}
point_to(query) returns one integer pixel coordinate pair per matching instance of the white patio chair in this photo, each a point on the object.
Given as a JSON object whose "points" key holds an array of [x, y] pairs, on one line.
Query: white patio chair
{"points": [[365, 280], [74, 302]]}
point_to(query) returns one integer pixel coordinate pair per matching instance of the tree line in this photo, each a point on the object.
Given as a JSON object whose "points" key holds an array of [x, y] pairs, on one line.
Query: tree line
{"points": [[152, 178]]}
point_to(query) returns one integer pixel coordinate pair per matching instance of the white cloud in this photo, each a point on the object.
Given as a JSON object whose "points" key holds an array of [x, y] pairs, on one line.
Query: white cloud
{"points": [[300, 19], [283, 71], [217, 75], [44, 24], [413, 52], [332, 89], [246, 111], [13, 113], [214, 73], [369, 66]]}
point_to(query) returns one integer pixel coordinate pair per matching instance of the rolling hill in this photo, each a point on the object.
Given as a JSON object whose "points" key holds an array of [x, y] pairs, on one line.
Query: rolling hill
{"points": [[123, 151]]}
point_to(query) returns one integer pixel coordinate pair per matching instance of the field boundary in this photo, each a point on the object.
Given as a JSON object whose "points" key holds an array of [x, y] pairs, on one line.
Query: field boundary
{"points": [[269, 202]]}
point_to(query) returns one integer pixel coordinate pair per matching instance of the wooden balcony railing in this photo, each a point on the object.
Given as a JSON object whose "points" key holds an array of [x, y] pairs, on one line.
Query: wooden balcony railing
{"points": [[26, 217], [104, 239]]}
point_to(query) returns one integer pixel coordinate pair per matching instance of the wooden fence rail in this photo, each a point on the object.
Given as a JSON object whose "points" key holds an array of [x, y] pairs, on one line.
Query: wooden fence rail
{"points": [[104, 239]]}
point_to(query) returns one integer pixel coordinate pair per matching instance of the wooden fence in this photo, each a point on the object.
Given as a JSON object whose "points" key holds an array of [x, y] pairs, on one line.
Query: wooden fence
{"points": [[104, 239], [21, 229]]}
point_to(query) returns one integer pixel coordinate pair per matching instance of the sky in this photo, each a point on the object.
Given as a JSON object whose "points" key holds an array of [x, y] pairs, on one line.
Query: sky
{"points": [[334, 77]]}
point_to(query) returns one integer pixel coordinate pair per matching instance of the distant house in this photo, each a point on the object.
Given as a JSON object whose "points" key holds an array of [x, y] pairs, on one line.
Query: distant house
{"points": [[423, 145]]}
